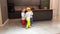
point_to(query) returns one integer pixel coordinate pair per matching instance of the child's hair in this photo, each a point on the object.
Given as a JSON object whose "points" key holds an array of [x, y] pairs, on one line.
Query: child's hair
{"points": [[22, 8], [25, 11], [28, 8], [32, 9]]}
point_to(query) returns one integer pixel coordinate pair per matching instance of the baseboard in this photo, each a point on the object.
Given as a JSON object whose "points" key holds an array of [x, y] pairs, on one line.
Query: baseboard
{"points": [[4, 23]]}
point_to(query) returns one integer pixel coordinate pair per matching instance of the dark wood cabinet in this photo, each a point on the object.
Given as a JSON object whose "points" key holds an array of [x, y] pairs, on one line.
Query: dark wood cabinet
{"points": [[15, 15], [39, 15], [10, 4]]}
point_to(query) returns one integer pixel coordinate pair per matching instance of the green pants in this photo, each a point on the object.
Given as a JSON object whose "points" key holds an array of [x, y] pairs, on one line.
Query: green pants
{"points": [[28, 22]]}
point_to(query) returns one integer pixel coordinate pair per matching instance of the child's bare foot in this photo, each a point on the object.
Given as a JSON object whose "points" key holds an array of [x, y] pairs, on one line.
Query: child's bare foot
{"points": [[29, 26], [23, 26], [26, 28]]}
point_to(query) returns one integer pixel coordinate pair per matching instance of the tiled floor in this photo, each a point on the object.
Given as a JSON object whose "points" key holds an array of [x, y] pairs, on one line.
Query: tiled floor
{"points": [[40, 27]]}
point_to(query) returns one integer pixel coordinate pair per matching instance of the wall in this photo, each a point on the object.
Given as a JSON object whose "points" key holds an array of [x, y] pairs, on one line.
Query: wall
{"points": [[54, 5], [4, 11], [27, 2], [0, 16], [59, 8]]}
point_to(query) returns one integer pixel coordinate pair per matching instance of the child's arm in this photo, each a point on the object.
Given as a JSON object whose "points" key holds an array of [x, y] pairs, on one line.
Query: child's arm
{"points": [[31, 13], [25, 15]]}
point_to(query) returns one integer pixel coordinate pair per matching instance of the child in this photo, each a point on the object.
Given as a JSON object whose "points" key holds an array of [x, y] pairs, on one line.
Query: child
{"points": [[31, 17], [28, 16], [23, 17]]}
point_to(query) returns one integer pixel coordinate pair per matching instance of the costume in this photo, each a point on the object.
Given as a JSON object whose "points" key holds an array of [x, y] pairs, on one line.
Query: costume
{"points": [[28, 15]]}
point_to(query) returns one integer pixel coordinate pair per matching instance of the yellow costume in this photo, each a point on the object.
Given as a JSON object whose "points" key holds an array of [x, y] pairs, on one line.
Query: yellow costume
{"points": [[28, 22], [28, 17]]}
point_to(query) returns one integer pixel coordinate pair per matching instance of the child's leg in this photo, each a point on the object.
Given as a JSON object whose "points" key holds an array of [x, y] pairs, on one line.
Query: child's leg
{"points": [[28, 22], [31, 20], [23, 23]]}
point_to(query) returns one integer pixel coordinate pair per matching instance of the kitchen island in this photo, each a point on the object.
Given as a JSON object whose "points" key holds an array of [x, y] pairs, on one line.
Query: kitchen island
{"points": [[39, 14]]}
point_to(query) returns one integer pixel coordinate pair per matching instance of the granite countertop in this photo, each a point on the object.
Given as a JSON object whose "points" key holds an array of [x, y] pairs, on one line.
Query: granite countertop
{"points": [[43, 9], [34, 9]]}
